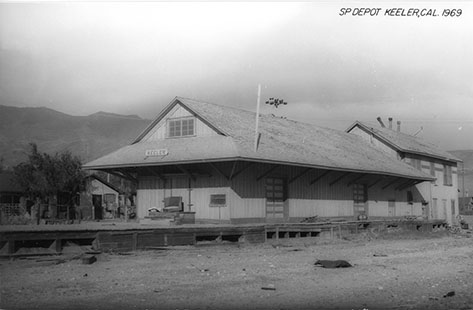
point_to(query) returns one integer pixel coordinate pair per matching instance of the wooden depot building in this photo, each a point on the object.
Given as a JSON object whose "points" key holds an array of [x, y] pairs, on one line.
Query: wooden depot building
{"points": [[201, 157]]}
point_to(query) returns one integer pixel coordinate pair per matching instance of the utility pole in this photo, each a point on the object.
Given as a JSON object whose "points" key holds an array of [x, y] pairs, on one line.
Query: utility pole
{"points": [[257, 118]]}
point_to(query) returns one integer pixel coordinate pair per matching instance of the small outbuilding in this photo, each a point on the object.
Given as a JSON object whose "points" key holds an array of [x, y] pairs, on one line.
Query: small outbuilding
{"points": [[100, 200], [10, 196]]}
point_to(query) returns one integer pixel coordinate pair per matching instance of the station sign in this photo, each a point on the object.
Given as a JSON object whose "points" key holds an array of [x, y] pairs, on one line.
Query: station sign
{"points": [[156, 152]]}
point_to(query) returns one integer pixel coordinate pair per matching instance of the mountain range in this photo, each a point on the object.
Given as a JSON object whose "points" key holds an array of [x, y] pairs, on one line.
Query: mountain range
{"points": [[88, 137], [95, 135]]}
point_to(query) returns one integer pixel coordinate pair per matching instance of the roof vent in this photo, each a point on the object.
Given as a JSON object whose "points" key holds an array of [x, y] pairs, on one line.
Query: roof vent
{"points": [[380, 121], [390, 123]]}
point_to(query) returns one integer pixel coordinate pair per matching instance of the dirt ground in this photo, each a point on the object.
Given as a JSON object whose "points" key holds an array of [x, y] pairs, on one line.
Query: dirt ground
{"points": [[393, 271]]}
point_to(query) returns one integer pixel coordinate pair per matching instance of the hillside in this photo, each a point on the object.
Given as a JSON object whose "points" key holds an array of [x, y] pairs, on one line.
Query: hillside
{"points": [[89, 137]]}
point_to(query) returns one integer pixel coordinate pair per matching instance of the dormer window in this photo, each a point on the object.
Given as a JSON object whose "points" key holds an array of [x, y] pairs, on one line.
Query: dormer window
{"points": [[181, 127]]}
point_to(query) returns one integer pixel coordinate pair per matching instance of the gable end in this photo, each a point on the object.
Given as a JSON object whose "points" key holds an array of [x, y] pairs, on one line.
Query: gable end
{"points": [[177, 110]]}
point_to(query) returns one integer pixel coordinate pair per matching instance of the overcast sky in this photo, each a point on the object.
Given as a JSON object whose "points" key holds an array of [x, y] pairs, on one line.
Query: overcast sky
{"points": [[134, 58]]}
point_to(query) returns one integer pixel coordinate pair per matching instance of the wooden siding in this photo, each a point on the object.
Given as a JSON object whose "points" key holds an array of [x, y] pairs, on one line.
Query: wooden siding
{"points": [[201, 203], [427, 190], [245, 194], [159, 131], [147, 198], [437, 190], [247, 208], [319, 207], [379, 208]]}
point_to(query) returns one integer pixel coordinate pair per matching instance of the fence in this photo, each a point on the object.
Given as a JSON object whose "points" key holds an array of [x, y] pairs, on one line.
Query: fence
{"points": [[12, 213]]}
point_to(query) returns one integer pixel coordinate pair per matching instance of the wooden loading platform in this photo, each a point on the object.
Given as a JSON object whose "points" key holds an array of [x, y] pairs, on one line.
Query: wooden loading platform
{"points": [[122, 237]]}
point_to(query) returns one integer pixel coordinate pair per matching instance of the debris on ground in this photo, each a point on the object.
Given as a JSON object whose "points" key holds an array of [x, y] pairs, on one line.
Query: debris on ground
{"points": [[269, 287], [332, 264], [449, 294], [380, 255], [89, 259], [314, 219], [311, 219]]}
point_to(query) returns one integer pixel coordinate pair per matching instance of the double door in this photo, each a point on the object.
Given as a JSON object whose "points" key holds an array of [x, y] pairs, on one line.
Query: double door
{"points": [[275, 197], [360, 200]]}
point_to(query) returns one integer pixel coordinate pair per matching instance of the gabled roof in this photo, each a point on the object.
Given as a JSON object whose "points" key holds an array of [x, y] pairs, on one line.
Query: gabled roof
{"points": [[96, 177], [187, 104], [406, 143], [282, 141]]}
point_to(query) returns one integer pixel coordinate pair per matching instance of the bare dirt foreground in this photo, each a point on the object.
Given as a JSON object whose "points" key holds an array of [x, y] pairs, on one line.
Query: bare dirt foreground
{"points": [[393, 271]]}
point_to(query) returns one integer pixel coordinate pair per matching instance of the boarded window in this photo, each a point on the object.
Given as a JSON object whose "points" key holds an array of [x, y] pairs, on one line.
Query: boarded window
{"points": [[181, 127], [447, 175], [109, 198], [218, 200]]}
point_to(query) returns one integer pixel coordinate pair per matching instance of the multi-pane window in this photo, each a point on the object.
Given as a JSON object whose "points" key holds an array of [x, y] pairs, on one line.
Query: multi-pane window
{"points": [[447, 175], [182, 127]]}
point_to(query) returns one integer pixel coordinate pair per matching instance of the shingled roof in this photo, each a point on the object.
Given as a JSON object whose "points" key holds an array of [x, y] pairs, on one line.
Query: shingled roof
{"points": [[406, 143], [282, 141]]}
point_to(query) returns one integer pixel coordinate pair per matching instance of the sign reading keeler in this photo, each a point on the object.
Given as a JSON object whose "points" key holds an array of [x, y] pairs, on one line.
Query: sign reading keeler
{"points": [[156, 152]]}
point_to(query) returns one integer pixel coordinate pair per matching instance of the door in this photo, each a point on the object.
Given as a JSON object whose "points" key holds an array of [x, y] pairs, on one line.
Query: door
{"points": [[97, 202], [275, 196], [360, 200], [444, 207], [452, 204], [426, 211], [391, 208]]}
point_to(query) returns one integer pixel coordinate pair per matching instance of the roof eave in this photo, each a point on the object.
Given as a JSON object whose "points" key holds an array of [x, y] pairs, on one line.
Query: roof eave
{"points": [[432, 156], [398, 148], [252, 159], [96, 177]]}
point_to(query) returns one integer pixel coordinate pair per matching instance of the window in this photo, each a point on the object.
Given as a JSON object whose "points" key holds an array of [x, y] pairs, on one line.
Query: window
{"points": [[182, 127], [432, 169], [219, 200], [416, 163], [109, 198], [77, 200], [410, 197], [447, 175], [391, 208]]}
